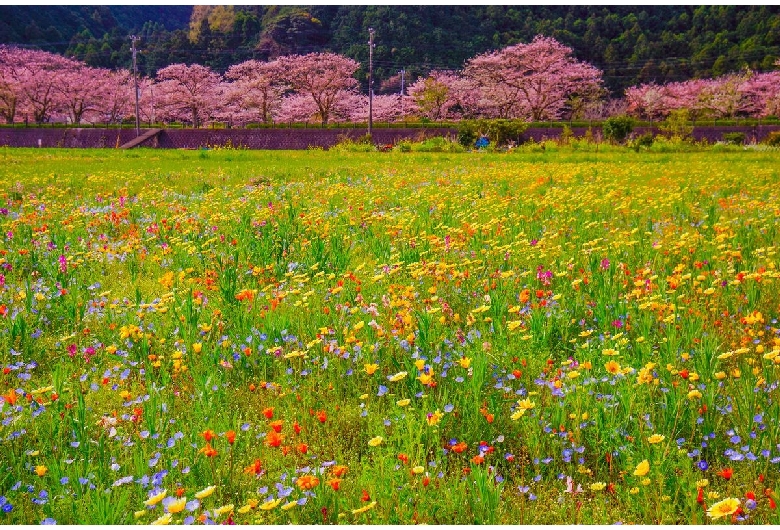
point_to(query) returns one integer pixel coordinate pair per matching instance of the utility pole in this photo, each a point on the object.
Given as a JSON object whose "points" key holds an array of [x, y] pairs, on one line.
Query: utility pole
{"points": [[403, 74], [133, 38], [370, 80]]}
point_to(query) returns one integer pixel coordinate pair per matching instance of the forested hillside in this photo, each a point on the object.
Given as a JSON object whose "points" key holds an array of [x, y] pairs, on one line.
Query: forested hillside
{"points": [[631, 45]]}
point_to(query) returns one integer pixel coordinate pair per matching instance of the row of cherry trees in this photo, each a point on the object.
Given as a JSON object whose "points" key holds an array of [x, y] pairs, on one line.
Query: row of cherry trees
{"points": [[741, 94], [536, 81]]}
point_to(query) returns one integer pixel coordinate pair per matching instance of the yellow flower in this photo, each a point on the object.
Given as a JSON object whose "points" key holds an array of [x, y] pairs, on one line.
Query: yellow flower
{"points": [[465, 362], [397, 377], [289, 505], [526, 404], [656, 438], [370, 368], [645, 482], [165, 519], [151, 501], [703, 483], [197, 347], [225, 509], [40, 470], [419, 364], [270, 505], [694, 394], [642, 468], [598, 486], [720, 375], [417, 470], [364, 508], [202, 494], [609, 352], [177, 505], [613, 367], [403, 402], [634, 490], [574, 374], [434, 418], [723, 508], [375, 441], [517, 414]]}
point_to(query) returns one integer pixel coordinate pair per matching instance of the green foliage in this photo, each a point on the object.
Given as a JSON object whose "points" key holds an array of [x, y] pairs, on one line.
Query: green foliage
{"points": [[498, 131], [631, 44], [734, 138], [643, 142], [617, 128], [677, 125], [773, 139]]}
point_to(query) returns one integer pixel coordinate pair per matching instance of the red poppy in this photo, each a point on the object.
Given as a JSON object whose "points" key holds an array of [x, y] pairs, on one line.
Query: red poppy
{"points": [[209, 451], [273, 439], [321, 416], [726, 473], [297, 428], [268, 412], [365, 497], [334, 483], [303, 448], [231, 437], [255, 468], [276, 425], [208, 435]]}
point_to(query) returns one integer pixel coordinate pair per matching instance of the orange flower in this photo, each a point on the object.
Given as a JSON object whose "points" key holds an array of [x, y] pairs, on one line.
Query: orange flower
{"points": [[339, 471], [726, 473], [365, 497], [322, 416], [273, 439], [276, 425], [252, 387], [478, 459], [297, 428], [286, 450], [307, 482], [334, 483], [10, 397], [426, 481], [179, 492], [268, 412], [231, 437], [403, 458], [255, 468], [209, 451], [208, 434], [460, 447], [303, 448]]}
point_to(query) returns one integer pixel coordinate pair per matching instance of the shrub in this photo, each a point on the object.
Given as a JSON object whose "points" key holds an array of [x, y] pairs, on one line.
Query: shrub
{"points": [[645, 140], [676, 125], [499, 131], [773, 139], [617, 128], [734, 138]]}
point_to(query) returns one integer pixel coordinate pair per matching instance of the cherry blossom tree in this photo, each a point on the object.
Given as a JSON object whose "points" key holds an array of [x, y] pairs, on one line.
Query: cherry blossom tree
{"points": [[256, 88], [320, 76], [81, 90], [189, 92], [532, 80], [296, 108], [444, 95], [10, 88], [118, 97], [762, 94]]}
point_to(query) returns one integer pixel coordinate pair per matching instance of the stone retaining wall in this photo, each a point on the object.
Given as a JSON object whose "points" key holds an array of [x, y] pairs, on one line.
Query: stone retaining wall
{"points": [[297, 138]]}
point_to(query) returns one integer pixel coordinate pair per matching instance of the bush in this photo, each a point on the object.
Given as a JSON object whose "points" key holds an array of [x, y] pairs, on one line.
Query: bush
{"points": [[617, 128], [773, 139], [499, 132], [437, 144], [645, 140], [734, 138], [676, 125]]}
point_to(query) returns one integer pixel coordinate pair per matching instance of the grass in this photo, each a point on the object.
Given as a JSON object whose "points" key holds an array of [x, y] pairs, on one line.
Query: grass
{"points": [[543, 336]]}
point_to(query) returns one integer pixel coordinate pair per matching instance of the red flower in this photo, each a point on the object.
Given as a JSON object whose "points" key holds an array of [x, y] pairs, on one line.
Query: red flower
{"points": [[276, 425], [403, 458], [297, 428], [321, 416], [700, 496], [231, 437], [365, 497], [726, 473], [208, 435], [268, 412], [273, 439], [303, 448], [255, 468]]}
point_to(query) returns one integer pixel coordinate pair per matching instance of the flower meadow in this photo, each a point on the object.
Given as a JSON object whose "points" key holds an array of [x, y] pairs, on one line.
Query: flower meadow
{"points": [[319, 337]]}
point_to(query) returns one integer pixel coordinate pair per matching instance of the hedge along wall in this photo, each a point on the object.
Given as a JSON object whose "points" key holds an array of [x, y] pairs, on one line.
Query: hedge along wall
{"points": [[298, 138]]}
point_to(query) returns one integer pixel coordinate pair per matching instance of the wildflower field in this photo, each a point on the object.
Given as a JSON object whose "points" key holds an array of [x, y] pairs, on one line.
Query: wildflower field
{"points": [[328, 337]]}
